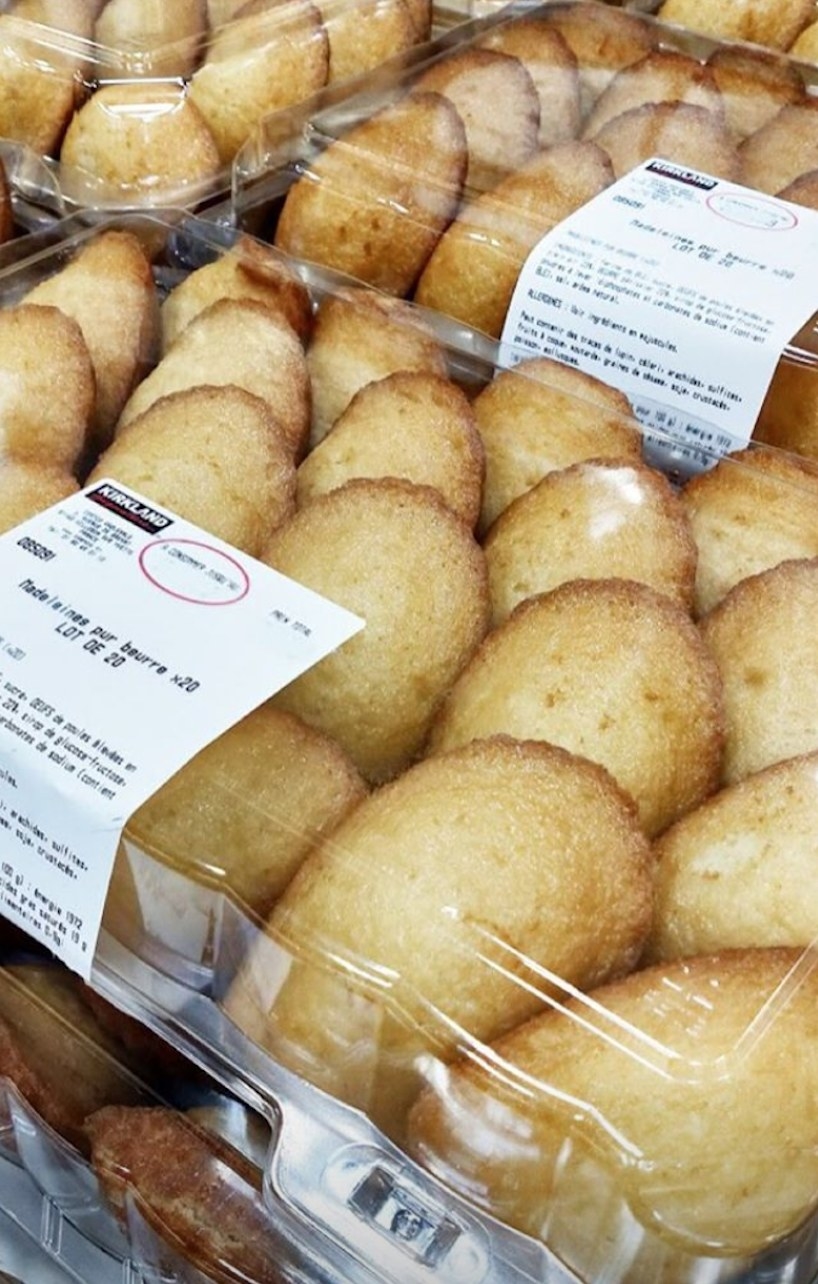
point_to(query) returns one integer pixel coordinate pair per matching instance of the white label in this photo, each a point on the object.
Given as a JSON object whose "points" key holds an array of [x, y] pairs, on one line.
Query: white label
{"points": [[129, 639], [679, 289]]}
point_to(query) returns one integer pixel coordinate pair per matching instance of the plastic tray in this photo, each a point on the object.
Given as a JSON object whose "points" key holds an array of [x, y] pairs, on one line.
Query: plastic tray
{"points": [[345, 1196]]}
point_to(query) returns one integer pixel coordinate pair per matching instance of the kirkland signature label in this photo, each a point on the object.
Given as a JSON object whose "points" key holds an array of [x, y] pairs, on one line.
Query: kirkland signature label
{"points": [[680, 289], [129, 639]]}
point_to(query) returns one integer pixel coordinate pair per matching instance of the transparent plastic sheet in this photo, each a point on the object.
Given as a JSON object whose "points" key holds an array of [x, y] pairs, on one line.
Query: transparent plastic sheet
{"points": [[344, 1197]]}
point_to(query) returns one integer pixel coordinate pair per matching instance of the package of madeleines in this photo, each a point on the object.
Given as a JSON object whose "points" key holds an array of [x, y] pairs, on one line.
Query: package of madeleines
{"points": [[104, 1126], [499, 913], [134, 103]]}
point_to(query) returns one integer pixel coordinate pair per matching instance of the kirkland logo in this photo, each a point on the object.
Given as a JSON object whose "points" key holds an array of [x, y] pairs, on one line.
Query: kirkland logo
{"points": [[689, 176], [128, 506]]}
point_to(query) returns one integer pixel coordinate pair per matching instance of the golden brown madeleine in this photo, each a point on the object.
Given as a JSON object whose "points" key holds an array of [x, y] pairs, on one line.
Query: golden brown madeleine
{"points": [[397, 556], [152, 39], [612, 670], [108, 288], [662, 76], [542, 415], [783, 149], [48, 386], [199, 1194], [39, 86], [677, 132], [754, 84], [243, 813], [410, 424], [271, 56], [802, 190], [789, 413], [214, 454], [444, 906], [60, 1058], [242, 343], [761, 22], [474, 268], [685, 1091], [762, 637], [737, 871], [475, 80], [753, 510], [375, 202], [249, 270], [805, 46], [603, 40], [597, 519], [28, 488], [551, 65], [360, 336], [366, 34], [140, 142]]}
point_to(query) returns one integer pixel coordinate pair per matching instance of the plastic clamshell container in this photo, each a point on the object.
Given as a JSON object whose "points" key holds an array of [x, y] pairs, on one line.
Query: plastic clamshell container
{"points": [[133, 106], [409, 1142], [80, 1203], [609, 86]]}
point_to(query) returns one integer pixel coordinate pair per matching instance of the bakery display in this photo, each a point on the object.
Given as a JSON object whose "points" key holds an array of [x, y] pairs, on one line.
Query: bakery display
{"points": [[518, 871]]}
